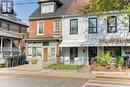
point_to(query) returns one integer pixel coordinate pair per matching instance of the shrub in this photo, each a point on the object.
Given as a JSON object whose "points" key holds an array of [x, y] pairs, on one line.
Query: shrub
{"points": [[103, 59], [120, 62], [2, 65], [34, 61]]}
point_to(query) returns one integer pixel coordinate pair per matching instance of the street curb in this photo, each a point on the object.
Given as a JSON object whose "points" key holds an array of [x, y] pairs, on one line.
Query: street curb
{"points": [[49, 76], [73, 77], [42, 73]]}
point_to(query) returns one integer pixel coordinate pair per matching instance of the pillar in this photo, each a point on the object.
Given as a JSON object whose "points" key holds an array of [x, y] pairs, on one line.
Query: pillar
{"points": [[87, 56], [1, 45], [20, 52], [11, 47]]}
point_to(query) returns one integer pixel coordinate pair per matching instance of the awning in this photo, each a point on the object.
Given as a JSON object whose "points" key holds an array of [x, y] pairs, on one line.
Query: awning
{"points": [[70, 43]]}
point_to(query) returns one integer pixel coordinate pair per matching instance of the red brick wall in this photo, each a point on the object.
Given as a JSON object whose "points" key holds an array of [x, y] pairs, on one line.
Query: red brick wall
{"points": [[48, 27]]}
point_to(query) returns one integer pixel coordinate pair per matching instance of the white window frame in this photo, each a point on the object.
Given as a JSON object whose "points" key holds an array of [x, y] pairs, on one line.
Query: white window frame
{"points": [[43, 10], [53, 52], [54, 25], [38, 33]]}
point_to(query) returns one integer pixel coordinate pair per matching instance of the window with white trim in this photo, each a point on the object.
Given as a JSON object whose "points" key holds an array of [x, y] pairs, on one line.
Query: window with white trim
{"points": [[57, 26], [47, 7], [40, 27], [52, 51], [7, 7]]}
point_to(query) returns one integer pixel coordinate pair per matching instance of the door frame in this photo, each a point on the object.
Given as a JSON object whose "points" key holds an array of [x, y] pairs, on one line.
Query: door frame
{"points": [[90, 59]]}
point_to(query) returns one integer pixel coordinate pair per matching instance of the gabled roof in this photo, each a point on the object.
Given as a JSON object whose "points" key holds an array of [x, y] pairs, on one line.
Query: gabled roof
{"points": [[69, 7]]}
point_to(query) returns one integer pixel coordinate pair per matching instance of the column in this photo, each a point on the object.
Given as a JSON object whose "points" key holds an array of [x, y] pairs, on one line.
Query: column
{"points": [[87, 56], [1, 45], [11, 47], [20, 52]]}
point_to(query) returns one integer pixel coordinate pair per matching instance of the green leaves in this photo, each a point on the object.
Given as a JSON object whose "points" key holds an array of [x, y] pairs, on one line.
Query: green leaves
{"points": [[103, 59], [120, 62], [97, 7]]}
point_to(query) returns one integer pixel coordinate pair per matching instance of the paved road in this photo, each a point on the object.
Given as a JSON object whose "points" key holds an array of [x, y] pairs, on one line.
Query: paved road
{"points": [[37, 81], [102, 83]]}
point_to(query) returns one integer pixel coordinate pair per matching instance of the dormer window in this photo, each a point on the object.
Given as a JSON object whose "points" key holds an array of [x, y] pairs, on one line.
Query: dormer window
{"points": [[47, 7], [7, 7]]}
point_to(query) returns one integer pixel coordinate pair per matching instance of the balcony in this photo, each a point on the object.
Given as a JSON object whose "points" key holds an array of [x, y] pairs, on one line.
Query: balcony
{"points": [[11, 34]]}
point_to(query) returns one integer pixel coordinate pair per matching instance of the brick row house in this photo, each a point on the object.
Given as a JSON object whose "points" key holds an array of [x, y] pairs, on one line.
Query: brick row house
{"points": [[58, 29], [12, 30], [45, 31]]}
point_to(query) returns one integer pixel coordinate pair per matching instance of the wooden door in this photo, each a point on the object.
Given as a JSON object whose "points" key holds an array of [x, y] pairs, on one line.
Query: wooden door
{"points": [[45, 54]]}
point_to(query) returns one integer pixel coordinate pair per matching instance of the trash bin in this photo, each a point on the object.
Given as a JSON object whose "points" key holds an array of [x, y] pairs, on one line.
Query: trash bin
{"points": [[8, 62]]}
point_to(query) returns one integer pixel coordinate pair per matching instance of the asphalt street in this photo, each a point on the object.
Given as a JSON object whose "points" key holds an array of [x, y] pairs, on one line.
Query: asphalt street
{"points": [[40, 81]]}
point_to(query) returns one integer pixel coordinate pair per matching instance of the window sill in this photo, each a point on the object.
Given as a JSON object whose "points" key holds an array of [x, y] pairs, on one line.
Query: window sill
{"points": [[93, 33], [73, 33]]}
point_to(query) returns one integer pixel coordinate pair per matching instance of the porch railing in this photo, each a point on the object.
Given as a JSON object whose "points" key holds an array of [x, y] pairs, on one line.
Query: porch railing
{"points": [[8, 49]]}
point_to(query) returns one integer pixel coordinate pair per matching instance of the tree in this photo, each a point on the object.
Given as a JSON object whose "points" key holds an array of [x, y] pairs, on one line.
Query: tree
{"points": [[97, 7]]}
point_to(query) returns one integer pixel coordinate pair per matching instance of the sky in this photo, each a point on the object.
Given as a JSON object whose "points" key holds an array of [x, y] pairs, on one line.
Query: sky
{"points": [[23, 11]]}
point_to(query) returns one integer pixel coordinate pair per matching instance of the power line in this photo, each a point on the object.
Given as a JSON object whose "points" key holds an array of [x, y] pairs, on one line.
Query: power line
{"points": [[23, 3]]}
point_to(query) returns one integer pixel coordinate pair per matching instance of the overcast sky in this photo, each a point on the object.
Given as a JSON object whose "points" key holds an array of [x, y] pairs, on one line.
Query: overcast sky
{"points": [[25, 10]]}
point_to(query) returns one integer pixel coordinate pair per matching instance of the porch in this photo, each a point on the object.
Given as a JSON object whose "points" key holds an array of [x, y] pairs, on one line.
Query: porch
{"points": [[10, 47]]}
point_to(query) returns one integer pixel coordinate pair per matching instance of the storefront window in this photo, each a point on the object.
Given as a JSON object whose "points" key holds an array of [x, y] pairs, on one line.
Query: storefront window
{"points": [[35, 49]]}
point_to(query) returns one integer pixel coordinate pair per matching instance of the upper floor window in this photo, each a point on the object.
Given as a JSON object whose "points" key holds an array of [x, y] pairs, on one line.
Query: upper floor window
{"points": [[57, 26], [47, 7], [92, 25], [40, 27], [19, 30], [7, 7], [8, 27], [74, 26], [112, 24]]}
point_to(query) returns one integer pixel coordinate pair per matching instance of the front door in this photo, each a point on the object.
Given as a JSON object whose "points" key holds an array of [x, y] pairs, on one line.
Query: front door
{"points": [[45, 54], [92, 52]]}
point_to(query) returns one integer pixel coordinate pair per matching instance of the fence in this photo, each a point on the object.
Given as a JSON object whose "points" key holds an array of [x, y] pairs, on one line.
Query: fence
{"points": [[52, 61]]}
